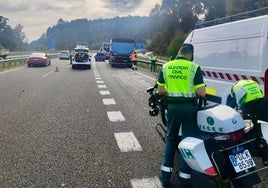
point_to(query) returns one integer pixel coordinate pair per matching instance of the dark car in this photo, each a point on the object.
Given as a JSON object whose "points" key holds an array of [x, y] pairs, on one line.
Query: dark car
{"points": [[38, 59], [100, 57]]}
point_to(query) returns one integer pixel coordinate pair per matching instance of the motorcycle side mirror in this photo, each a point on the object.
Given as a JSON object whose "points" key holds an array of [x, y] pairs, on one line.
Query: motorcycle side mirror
{"points": [[171, 58], [150, 90]]}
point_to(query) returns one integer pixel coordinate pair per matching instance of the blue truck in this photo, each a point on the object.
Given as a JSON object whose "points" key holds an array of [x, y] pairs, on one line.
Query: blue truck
{"points": [[120, 52]]}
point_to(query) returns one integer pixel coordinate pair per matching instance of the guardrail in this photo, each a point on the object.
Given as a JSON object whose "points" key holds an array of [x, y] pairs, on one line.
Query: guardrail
{"points": [[158, 64], [14, 62], [18, 61]]}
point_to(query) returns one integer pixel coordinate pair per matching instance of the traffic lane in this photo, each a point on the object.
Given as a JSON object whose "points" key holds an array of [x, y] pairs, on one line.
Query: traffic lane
{"points": [[128, 89], [68, 143]]}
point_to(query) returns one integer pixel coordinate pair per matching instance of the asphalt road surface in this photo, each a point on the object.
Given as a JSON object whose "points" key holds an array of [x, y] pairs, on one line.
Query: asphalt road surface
{"points": [[78, 128]]}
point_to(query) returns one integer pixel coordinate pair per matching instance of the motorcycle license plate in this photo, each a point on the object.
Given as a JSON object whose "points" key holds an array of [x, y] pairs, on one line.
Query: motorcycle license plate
{"points": [[242, 161]]}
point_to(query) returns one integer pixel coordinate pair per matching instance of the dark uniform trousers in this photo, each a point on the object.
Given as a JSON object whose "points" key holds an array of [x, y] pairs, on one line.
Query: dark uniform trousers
{"points": [[184, 114]]}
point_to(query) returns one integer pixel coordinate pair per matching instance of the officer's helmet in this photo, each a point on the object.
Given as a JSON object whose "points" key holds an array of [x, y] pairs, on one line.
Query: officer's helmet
{"points": [[239, 93]]}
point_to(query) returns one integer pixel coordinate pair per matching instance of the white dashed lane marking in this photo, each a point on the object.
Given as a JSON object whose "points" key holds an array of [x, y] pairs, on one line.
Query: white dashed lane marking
{"points": [[105, 92], [115, 116], [108, 101], [127, 142], [102, 86], [146, 182]]}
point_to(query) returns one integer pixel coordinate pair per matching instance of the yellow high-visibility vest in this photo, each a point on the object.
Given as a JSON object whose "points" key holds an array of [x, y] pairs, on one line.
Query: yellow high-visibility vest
{"points": [[179, 76], [245, 91]]}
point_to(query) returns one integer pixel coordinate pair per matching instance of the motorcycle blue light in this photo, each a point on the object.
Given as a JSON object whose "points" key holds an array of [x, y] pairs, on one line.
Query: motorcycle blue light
{"points": [[238, 149]]}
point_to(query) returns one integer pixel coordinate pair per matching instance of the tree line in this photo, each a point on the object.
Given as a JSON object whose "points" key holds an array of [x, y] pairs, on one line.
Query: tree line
{"points": [[11, 38], [163, 31]]}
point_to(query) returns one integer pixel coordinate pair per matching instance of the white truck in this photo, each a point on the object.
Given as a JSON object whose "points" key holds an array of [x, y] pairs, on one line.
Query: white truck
{"points": [[4, 53], [228, 51]]}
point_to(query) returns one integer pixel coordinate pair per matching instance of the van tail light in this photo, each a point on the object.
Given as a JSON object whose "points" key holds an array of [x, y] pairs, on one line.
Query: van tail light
{"points": [[232, 137], [266, 83]]}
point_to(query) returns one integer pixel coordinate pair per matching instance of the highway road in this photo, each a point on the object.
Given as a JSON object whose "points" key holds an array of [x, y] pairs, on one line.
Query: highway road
{"points": [[78, 128]]}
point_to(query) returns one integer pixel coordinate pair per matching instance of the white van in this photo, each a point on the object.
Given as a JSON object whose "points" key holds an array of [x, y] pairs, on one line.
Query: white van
{"points": [[232, 51]]}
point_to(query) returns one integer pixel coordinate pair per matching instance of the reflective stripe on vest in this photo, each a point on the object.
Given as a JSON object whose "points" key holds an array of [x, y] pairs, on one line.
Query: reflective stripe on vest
{"points": [[179, 76]]}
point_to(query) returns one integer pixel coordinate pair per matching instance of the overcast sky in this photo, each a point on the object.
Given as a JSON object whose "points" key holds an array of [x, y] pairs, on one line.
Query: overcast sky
{"points": [[37, 15]]}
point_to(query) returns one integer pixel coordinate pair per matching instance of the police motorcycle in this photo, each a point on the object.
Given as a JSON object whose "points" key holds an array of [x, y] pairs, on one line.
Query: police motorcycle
{"points": [[228, 148]]}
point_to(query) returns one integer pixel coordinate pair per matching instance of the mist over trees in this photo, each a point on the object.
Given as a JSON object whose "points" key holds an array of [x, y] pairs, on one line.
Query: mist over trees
{"points": [[164, 30]]}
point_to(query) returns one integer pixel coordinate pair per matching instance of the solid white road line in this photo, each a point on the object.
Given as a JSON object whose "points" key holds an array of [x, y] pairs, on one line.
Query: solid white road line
{"points": [[115, 116], [146, 182], [127, 141], [143, 75], [11, 70]]}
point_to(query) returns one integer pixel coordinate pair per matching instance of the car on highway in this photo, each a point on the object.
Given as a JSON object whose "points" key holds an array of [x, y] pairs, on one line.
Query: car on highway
{"points": [[81, 59], [38, 59], [64, 55], [100, 57]]}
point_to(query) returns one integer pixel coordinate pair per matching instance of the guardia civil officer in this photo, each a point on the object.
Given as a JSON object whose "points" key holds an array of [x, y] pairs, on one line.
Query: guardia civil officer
{"points": [[250, 99], [182, 81], [153, 62]]}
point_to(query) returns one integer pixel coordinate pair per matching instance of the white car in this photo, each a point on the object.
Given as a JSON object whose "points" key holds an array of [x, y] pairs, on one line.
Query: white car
{"points": [[81, 59], [64, 55]]}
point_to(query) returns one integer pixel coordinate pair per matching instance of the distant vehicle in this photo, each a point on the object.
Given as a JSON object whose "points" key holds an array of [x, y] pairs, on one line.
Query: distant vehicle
{"points": [[38, 59], [120, 52], [81, 59], [228, 51], [64, 55], [100, 57], [105, 48], [84, 44], [4, 53], [81, 49]]}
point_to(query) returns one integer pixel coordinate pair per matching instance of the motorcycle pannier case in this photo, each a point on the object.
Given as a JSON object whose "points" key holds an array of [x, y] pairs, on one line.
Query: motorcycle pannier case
{"points": [[194, 153]]}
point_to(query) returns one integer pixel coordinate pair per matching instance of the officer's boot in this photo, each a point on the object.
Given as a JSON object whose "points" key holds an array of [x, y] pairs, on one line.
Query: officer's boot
{"points": [[184, 183], [165, 179]]}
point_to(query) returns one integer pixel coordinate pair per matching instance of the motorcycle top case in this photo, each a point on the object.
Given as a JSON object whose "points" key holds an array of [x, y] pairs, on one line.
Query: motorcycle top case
{"points": [[220, 119], [194, 154]]}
